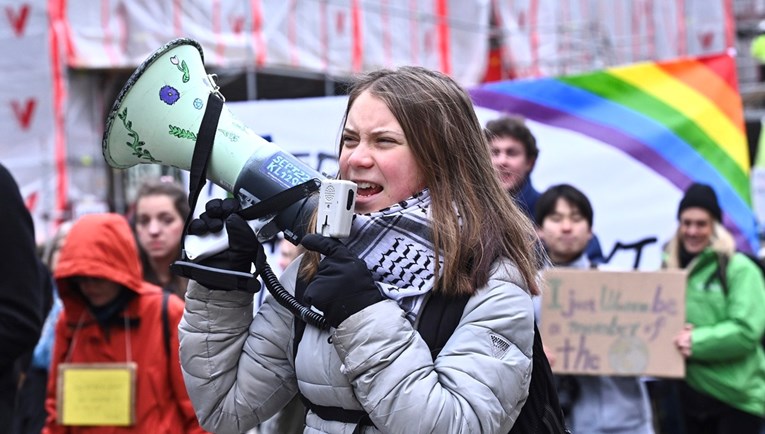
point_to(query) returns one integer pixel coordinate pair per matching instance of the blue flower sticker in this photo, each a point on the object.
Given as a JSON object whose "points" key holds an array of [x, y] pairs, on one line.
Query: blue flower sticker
{"points": [[198, 103], [169, 94]]}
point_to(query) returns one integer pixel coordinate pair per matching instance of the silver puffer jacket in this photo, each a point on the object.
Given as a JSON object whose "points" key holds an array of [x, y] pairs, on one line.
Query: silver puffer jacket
{"points": [[239, 370]]}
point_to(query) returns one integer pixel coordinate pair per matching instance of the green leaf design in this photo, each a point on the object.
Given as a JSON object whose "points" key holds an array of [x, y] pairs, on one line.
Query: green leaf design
{"points": [[136, 145], [182, 133], [231, 136], [183, 67]]}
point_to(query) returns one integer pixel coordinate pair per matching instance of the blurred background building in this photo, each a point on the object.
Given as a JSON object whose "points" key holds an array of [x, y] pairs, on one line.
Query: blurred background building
{"points": [[69, 59]]}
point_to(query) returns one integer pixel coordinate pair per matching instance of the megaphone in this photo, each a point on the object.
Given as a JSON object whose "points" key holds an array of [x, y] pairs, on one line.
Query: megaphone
{"points": [[156, 119], [163, 114]]}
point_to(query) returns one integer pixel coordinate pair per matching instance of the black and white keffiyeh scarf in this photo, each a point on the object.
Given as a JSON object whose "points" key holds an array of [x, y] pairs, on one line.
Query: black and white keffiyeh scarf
{"points": [[397, 245]]}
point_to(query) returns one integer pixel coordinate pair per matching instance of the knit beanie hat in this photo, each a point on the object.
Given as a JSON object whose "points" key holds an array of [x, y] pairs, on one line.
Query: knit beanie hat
{"points": [[701, 196]]}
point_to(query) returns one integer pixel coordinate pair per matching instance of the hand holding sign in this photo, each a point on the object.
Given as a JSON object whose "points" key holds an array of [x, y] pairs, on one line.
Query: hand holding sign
{"points": [[683, 341]]}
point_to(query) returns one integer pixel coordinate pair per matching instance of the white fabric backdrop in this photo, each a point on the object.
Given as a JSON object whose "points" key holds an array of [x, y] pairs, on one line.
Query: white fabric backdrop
{"points": [[631, 201]]}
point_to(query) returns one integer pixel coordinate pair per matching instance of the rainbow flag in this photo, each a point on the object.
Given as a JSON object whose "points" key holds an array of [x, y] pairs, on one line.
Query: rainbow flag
{"points": [[683, 119]]}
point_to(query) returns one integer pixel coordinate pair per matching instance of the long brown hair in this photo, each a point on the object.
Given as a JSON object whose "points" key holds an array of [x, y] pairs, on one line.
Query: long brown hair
{"points": [[474, 221]]}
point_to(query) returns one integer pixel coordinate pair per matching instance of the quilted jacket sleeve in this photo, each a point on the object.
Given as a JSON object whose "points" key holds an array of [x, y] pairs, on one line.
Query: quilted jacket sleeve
{"points": [[191, 426], [238, 369]]}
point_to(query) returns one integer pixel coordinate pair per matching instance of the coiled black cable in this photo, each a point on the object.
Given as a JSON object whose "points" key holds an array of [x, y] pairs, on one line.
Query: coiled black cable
{"points": [[287, 300]]}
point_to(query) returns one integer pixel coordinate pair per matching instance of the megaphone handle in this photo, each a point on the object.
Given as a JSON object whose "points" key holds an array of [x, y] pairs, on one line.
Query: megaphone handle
{"points": [[208, 245], [200, 247]]}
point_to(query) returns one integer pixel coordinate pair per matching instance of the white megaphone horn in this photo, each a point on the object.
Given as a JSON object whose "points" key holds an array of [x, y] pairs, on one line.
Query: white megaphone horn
{"points": [[157, 117]]}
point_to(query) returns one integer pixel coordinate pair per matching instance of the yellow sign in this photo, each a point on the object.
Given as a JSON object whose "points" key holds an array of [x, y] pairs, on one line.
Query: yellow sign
{"points": [[613, 323], [96, 394]]}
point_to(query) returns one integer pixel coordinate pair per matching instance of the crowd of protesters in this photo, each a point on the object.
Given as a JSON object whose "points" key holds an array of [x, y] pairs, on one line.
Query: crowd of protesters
{"points": [[98, 304]]}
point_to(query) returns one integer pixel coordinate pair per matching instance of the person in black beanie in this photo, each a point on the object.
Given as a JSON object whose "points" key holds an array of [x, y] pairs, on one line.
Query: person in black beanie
{"points": [[724, 387], [21, 291], [701, 196]]}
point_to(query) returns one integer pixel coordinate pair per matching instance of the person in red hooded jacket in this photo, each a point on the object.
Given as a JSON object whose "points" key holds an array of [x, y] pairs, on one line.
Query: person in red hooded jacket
{"points": [[112, 316]]}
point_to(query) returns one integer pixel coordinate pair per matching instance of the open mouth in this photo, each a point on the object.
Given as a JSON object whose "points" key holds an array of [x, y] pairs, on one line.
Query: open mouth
{"points": [[367, 189]]}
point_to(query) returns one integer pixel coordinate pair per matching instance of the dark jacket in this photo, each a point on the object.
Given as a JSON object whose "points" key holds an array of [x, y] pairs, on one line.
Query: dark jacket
{"points": [[526, 197], [21, 290]]}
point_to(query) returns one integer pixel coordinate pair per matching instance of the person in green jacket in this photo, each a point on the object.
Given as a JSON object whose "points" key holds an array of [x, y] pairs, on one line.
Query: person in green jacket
{"points": [[724, 387]]}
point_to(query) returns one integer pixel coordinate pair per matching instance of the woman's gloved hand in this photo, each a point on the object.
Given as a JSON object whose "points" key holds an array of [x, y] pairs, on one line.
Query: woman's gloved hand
{"points": [[244, 249], [229, 269], [342, 285]]}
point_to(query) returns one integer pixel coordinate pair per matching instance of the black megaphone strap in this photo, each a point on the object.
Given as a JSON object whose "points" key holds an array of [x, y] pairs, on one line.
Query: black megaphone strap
{"points": [[202, 151]]}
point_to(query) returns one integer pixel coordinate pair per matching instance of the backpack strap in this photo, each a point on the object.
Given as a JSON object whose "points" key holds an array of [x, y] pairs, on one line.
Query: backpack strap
{"points": [[439, 318], [165, 323], [542, 412], [721, 272]]}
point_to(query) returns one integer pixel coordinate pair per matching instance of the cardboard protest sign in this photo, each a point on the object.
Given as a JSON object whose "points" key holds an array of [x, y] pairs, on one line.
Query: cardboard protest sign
{"points": [[613, 323], [96, 394]]}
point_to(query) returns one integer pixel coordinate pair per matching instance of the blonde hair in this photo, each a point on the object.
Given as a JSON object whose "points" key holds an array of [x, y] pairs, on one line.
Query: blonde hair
{"points": [[474, 221]]}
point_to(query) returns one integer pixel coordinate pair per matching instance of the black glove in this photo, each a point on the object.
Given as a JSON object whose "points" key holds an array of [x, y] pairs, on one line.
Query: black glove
{"points": [[229, 269], [343, 284]]}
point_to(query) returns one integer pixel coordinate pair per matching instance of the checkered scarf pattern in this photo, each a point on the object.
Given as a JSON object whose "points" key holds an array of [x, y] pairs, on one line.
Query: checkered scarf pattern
{"points": [[397, 245]]}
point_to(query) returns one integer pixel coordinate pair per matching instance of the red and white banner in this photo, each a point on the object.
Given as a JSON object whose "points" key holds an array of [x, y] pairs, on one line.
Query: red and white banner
{"points": [[559, 37], [338, 37], [52, 120], [540, 37], [32, 97]]}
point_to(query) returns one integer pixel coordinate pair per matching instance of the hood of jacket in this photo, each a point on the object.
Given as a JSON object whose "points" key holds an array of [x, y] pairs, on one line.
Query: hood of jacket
{"points": [[100, 246], [721, 242]]}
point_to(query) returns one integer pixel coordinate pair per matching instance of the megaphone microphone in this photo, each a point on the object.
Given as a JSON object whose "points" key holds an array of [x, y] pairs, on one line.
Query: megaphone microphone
{"points": [[168, 108]]}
